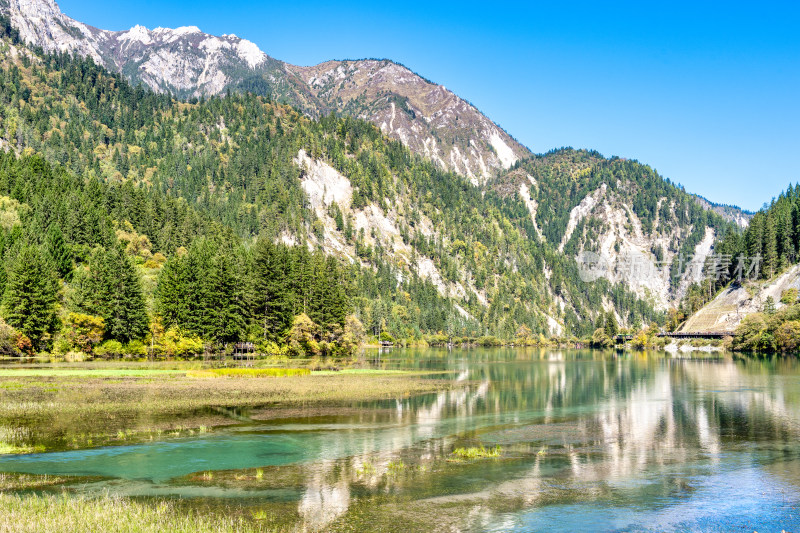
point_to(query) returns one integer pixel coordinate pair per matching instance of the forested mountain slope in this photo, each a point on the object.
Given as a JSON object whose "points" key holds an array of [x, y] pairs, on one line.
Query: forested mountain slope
{"points": [[420, 250], [755, 297], [646, 230], [186, 62]]}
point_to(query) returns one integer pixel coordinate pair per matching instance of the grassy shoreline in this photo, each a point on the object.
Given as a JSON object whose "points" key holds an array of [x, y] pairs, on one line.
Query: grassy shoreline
{"points": [[52, 407], [57, 407], [32, 513]]}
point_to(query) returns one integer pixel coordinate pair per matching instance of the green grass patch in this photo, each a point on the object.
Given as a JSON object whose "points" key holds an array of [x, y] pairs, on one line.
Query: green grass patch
{"points": [[85, 372], [468, 454], [7, 449], [371, 372], [248, 372], [109, 513]]}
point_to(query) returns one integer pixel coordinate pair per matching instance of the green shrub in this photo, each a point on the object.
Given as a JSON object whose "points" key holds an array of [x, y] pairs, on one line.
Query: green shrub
{"points": [[437, 340], [600, 339], [271, 349], [787, 336], [175, 343], [789, 296], [748, 334], [489, 341], [136, 349], [61, 346], [84, 331], [110, 349], [9, 338], [302, 341]]}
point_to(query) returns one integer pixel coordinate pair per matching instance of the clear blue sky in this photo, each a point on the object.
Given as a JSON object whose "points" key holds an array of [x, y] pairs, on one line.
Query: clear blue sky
{"points": [[707, 94]]}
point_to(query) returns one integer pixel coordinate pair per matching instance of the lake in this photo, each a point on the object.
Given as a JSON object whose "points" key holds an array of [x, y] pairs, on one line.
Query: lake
{"points": [[590, 441]]}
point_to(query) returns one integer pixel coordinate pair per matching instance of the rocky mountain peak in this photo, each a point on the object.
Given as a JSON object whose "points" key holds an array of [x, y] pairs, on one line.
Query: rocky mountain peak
{"points": [[423, 115], [41, 23], [186, 62]]}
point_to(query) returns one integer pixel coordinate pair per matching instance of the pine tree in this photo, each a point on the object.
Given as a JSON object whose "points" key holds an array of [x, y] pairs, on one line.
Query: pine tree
{"points": [[272, 306], [611, 327], [769, 305], [755, 236], [59, 252], [335, 302], [228, 309], [111, 288], [787, 241], [129, 318], [30, 299], [170, 293], [601, 321], [770, 247]]}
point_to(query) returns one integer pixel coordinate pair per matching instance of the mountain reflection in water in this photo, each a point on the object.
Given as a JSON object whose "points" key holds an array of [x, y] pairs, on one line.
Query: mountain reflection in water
{"points": [[590, 440]]}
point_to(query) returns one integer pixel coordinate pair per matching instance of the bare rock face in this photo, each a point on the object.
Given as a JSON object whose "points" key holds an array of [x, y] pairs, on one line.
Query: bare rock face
{"points": [[41, 23], [183, 61], [186, 62], [426, 117]]}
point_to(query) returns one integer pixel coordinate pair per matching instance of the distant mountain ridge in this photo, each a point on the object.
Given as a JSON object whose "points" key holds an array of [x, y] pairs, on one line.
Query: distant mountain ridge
{"points": [[731, 213], [186, 62]]}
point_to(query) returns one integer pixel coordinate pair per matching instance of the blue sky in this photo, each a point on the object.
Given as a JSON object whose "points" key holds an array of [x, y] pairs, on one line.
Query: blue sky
{"points": [[705, 93]]}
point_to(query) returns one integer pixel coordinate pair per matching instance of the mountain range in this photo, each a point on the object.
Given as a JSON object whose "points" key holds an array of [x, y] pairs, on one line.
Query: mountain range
{"points": [[494, 229], [187, 63]]}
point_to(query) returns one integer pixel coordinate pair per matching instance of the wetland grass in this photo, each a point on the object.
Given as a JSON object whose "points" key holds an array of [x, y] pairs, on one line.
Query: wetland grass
{"points": [[476, 452], [12, 481], [31, 513], [248, 372], [25, 397], [72, 408]]}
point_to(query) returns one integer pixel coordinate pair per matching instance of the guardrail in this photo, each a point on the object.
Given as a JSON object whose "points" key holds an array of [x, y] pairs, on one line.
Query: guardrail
{"points": [[697, 334], [682, 335]]}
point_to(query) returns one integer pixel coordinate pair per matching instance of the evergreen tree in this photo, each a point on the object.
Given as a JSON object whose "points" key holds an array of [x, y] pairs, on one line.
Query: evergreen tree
{"points": [[111, 288], [769, 305], [770, 247], [786, 244], [335, 301], [601, 321], [59, 252], [30, 299], [228, 306], [170, 293], [611, 327], [272, 300]]}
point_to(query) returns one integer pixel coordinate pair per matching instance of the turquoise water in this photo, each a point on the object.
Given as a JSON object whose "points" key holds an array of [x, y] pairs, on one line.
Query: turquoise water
{"points": [[591, 442]]}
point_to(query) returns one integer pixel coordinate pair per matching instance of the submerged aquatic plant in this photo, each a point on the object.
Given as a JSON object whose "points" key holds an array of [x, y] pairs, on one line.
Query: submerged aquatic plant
{"points": [[396, 466], [367, 469], [479, 452]]}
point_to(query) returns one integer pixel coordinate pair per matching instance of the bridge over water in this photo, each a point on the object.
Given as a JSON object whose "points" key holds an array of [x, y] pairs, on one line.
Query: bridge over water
{"points": [[681, 335]]}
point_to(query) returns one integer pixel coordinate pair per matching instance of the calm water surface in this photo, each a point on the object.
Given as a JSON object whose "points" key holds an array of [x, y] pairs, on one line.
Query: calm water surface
{"points": [[591, 441]]}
